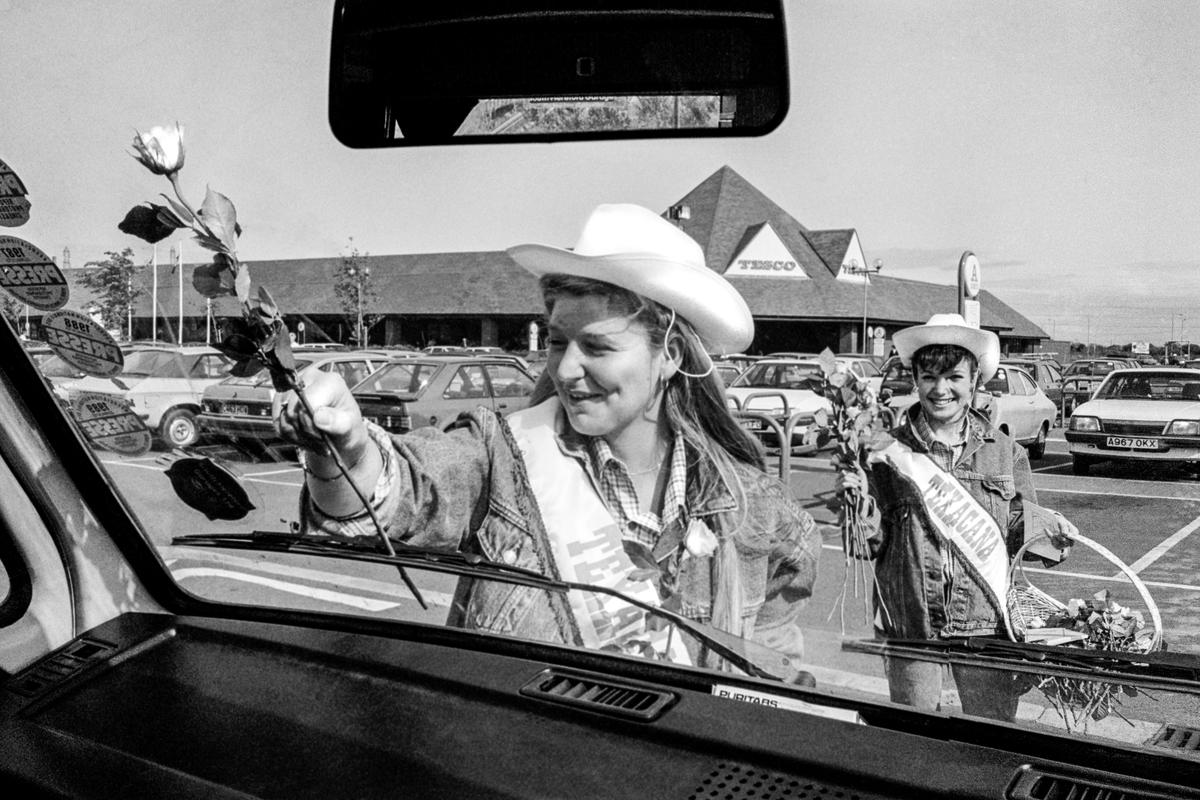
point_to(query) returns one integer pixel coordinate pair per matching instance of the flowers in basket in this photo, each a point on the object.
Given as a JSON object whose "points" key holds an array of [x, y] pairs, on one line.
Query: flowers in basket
{"points": [[1105, 624], [1100, 623]]}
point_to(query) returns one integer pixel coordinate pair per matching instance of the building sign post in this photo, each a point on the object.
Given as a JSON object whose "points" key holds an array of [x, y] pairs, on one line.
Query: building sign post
{"points": [[968, 288]]}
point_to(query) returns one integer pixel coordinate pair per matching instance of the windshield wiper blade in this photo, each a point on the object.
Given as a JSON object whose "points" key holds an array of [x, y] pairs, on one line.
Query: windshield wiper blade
{"points": [[1172, 671], [754, 659]]}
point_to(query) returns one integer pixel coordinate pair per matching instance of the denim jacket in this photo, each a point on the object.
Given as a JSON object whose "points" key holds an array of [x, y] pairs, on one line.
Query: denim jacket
{"points": [[466, 489], [922, 590]]}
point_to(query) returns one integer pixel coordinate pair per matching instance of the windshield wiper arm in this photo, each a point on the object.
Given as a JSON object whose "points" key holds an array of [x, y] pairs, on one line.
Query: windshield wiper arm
{"points": [[752, 658], [1171, 671]]}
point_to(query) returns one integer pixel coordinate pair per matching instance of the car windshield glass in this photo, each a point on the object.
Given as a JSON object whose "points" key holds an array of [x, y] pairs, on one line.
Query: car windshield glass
{"points": [[58, 367], [779, 375], [1090, 368], [1150, 385], [143, 363], [513, 397]]}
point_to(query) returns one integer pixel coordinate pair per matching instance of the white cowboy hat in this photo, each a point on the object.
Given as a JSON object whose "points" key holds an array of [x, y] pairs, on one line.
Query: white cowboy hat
{"points": [[636, 249], [951, 329]]}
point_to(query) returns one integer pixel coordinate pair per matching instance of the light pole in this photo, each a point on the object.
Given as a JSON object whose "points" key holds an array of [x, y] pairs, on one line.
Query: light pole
{"points": [[854, 269], [359, 275]]}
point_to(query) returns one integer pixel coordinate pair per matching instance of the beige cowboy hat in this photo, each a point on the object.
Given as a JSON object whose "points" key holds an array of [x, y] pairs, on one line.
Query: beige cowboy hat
{"points": [[951, 329], [636, 249]]}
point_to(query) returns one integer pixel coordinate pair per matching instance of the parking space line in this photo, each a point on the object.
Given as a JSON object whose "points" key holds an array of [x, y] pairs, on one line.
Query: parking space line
{"points": [[326, 595], [1118, 494], [270, 472], [1119, 577], [1159, 550]]}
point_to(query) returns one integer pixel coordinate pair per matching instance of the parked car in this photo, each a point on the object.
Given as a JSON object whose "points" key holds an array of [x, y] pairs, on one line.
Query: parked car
{"points": [[1013, 400], [1082, 378], [240, 407], [728, 370], [1149, 414], [781, 388], [1046, 373], [434, 390], [164, 386]]}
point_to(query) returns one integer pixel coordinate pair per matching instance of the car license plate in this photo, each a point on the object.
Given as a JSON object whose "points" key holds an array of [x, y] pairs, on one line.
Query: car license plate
{"points": [[1133, 443], [238, 409], [752, 424]]}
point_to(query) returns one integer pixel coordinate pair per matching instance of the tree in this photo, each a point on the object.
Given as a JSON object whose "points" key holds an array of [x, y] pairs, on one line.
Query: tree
{"points": [[14, 309], [355, 292], [113, 282]]}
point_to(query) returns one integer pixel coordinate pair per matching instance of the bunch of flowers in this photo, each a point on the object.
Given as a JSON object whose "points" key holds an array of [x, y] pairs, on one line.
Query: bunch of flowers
{"points": [[858, 425], [1105, 625], [260, 335]]}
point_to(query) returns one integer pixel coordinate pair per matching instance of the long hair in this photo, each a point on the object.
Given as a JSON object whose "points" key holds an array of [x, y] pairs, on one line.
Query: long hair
{"points": [[694, 407]]}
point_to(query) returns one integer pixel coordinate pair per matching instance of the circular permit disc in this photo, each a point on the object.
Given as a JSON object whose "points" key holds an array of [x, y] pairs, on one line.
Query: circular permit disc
{"points": [[82, 343], [108, 422], [31, 276], [14, 205]]}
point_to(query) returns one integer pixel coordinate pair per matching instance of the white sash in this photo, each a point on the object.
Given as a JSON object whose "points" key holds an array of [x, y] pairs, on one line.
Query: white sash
{"points": [[585, 540], [958, 519]]}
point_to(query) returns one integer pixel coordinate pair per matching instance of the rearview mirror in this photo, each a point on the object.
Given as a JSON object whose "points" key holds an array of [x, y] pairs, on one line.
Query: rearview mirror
{"points": [[471, 71]]}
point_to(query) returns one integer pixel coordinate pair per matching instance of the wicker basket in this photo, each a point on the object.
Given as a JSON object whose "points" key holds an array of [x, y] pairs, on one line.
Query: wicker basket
{"points": [[1033, 603]]}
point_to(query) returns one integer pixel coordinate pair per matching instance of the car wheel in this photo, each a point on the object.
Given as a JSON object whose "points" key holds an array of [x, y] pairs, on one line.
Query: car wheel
{"points": [[179, 428], [1080, 465], [1038, 449]]}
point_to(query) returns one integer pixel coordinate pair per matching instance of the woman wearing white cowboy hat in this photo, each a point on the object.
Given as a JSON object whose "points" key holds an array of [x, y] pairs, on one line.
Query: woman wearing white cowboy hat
{"points": [[932, 549], [627, 457]]}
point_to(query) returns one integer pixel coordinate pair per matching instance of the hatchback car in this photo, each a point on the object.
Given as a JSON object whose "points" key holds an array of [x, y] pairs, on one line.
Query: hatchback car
{"points": [[434, 390], [1046, 373], [1138, 415], [240, 407], [1082, 378], [784, 389], [164, 386]]}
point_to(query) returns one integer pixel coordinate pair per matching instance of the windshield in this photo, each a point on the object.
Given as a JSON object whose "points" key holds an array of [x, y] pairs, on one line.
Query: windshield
{"points": [[1091, 368], [1151, 385], [779, 375], [916, 132]]}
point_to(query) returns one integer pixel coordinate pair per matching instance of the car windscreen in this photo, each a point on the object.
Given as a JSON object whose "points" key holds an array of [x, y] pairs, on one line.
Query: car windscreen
{"points": [[1148, 384], [779, 375], [405, 378]]}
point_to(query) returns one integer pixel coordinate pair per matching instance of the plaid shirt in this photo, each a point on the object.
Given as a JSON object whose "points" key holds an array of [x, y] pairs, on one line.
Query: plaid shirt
{"points": [[943, 454]]}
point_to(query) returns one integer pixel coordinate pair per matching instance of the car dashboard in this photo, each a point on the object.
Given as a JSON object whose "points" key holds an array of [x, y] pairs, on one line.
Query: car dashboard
{"points": [[160, 705]]}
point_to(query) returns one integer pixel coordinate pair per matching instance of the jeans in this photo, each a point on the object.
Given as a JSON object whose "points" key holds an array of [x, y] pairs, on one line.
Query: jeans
{"points": [[984, 692]]}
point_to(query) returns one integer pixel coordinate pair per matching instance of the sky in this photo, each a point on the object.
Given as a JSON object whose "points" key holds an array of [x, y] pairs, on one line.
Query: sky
{"points": [[1057, 141]]}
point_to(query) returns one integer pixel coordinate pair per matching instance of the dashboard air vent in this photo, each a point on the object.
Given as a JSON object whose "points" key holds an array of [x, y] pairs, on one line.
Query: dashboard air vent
{"points": [[1178, 737], [1032, 784], [58, 667], [599, 693]]}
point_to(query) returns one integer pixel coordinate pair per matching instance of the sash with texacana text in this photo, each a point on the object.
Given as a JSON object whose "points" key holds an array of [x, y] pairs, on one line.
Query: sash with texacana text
{"points": [[959, 520], [585, 541]]}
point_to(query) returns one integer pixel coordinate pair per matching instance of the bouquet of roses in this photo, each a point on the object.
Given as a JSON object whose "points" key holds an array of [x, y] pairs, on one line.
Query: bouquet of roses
{"points": [[857, 425], [260, 335]]}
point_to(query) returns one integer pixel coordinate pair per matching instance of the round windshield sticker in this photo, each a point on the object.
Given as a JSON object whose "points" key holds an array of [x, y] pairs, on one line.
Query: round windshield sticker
{"points": [[31, 276], [107, 421], [82, 343], [209, 488], [14, 205]]}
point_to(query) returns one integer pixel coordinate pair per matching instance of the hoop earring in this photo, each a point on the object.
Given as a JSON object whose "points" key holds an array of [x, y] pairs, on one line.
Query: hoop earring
{"points": [[679, 367]]}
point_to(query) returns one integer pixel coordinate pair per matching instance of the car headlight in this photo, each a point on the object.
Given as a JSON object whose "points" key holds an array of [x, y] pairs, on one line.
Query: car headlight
{"points": [[1184, 427], [1085, 424]]}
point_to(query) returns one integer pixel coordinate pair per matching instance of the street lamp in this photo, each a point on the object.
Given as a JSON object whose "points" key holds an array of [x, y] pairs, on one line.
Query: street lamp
{"points": [[359, 275], [854, 269]]}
